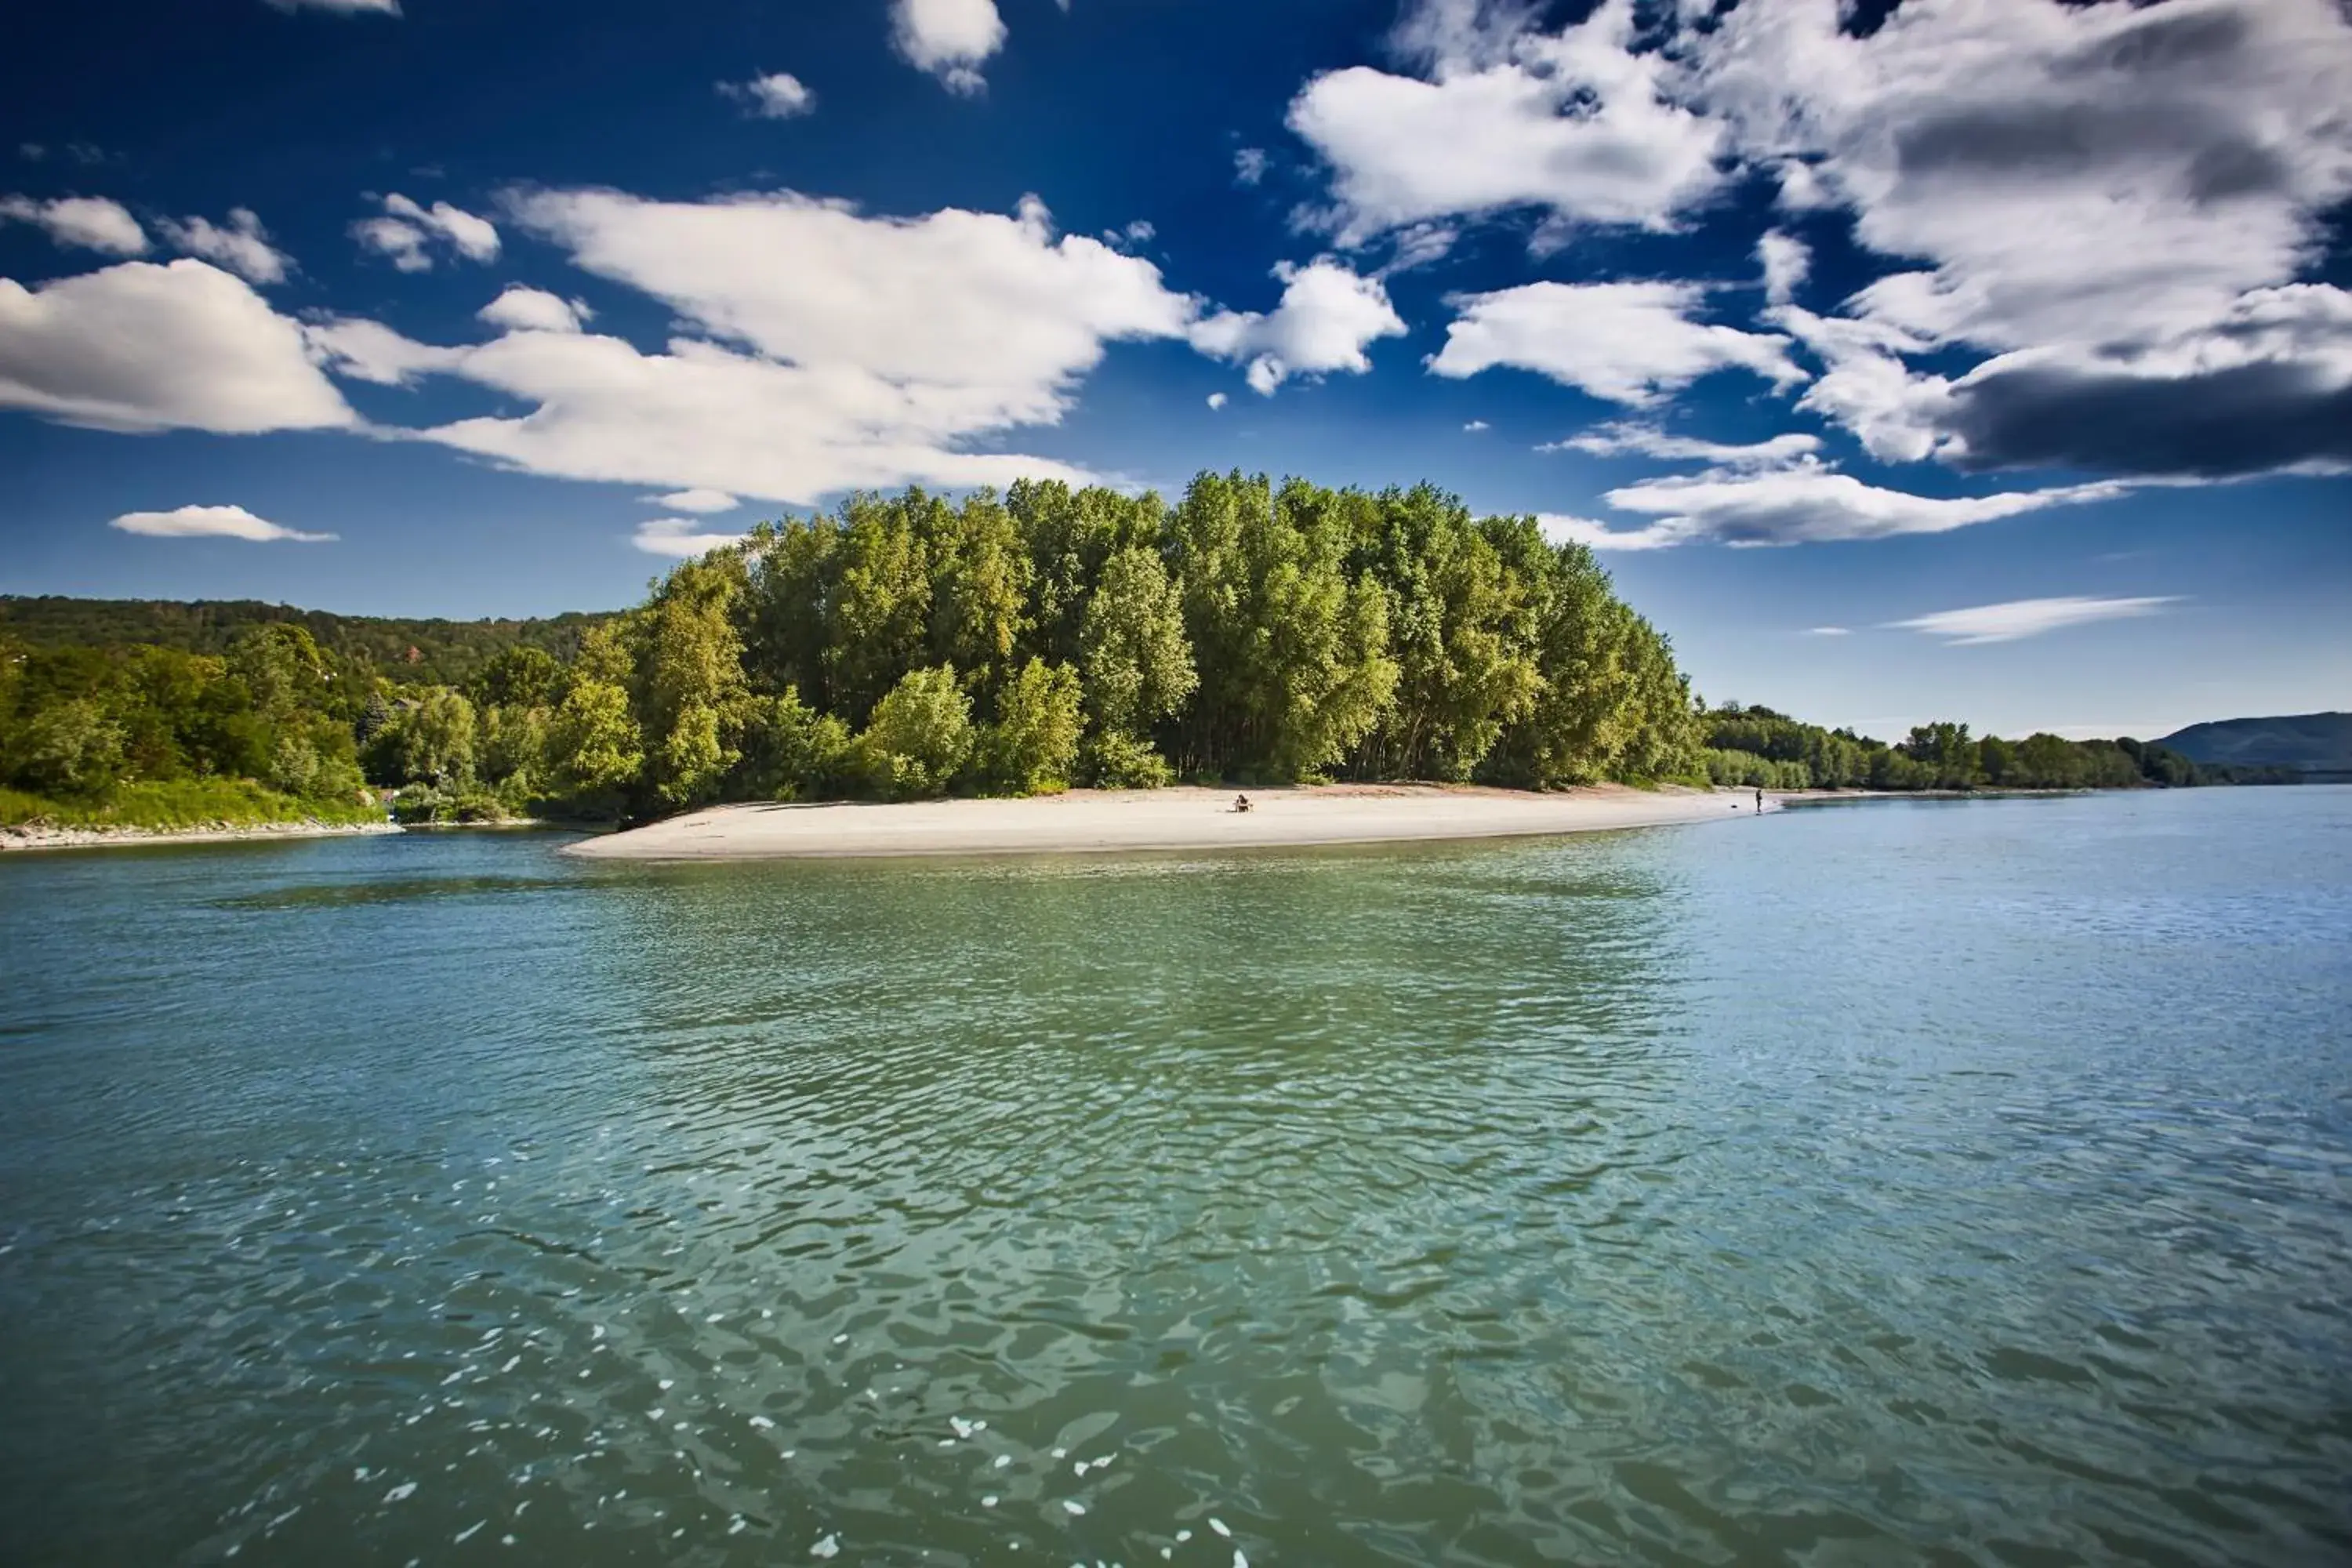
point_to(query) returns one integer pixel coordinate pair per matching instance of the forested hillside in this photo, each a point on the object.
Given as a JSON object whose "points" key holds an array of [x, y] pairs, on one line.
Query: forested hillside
{"points": [[2305, 742], [428, 651], [1756, 746]]}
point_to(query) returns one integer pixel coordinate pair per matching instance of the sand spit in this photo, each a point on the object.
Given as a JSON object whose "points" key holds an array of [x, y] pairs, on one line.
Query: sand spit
{"points": [[1101, 821]]}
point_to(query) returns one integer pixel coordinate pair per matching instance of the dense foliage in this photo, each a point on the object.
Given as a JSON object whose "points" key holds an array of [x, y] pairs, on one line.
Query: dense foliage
{"points": [[909, 646], [425, 652], [1756, 746]]}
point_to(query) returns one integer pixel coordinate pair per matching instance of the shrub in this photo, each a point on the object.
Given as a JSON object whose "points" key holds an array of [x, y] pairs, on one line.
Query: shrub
{"points": [[919, 737]]}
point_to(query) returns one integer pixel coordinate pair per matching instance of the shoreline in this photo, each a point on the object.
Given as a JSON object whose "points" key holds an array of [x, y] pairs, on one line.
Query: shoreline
{"points": [[1185, 818], [34, 839]]}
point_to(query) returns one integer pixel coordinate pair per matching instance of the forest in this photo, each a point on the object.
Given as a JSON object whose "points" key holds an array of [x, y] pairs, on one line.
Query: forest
{"points": [[907, 646], [1756, 746]]}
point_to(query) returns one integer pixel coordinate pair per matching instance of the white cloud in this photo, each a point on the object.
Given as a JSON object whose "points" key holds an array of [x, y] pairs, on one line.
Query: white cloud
{"points": [[1575, 123], [974, 315], [1216, 400], [1326, 317], [2103, 188], [1828, 632], [211, 522], [676, 537], [407, 232], [371, 351], [1809, 502], [1620, 439], [140, 346], [345, 7], [1786, 260], [951, 40], [241, 245], [883, 355], [779, 95], [92, 222], [1249, 166], [1475, 425], [1585, 531], [2071, 173], [1628, 343], [534, 310], [2028, 617], [697, 500]]}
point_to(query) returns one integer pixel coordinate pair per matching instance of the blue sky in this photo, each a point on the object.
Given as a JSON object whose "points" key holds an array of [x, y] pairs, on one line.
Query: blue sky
{"points": [[1990, 361]]}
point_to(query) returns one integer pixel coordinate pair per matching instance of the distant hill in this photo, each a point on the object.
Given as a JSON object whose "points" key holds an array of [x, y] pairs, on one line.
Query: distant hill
{"points": [[431, 651], [2309, 743]]}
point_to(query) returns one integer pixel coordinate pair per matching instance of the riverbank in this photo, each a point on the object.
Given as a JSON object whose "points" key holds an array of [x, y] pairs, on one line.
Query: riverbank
{"points": [[1099, 821], [28, 837]]}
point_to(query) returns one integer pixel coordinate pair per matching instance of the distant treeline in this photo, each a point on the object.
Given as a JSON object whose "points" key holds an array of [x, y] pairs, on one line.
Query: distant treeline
{"points": [[907, 646], [422, 652], [1756, 746]]}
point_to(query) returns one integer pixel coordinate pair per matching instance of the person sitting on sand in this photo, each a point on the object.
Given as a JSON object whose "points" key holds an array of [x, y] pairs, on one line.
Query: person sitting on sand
{"points": [[1241, 802]]}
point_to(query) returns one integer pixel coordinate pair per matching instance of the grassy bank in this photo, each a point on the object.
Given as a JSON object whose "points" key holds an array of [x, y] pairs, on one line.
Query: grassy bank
{"points": [[180, 805]]}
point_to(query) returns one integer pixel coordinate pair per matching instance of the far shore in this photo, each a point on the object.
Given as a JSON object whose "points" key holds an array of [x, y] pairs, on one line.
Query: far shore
{"points": [[32, 837], [1099, 821]]}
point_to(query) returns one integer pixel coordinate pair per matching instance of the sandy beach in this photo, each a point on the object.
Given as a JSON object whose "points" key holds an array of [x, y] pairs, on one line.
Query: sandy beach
{"points": [[1096, 821], [23, 837]]}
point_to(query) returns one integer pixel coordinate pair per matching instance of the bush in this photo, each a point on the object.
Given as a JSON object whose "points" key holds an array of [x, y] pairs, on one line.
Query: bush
{"points": [[1122, 761], [791, 752], [1033, 747], [919, 737]]}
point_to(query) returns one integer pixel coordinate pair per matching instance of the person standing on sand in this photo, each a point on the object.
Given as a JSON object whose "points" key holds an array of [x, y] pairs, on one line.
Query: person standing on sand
{"points": [[1760, 799]]}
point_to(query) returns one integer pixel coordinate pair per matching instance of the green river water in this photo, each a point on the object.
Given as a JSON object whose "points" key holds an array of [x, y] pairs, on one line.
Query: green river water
{"points": [[1937, 1183]]}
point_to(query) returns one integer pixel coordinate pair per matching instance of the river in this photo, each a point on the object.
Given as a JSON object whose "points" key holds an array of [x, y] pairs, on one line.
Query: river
{"points": [[1904, 1181]]}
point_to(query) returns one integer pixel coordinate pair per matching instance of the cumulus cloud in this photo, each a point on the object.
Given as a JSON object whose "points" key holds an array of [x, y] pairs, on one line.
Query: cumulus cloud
{"points": [[779, 95], [1576, 124], [1216, 400], [525, 309], [241, 245], [2098, 196], [1627, 342], [677, 537], [1249, 166], [1326, 317], [2029, 617], [884, 353], [211, 522], [950, 39], [697, 500], [1620, 439], [90, 223], [1475, 425], [142, 346], [408, 234]]}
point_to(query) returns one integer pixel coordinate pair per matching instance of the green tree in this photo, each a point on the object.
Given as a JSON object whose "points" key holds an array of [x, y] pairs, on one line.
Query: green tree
{"points": [[920, 735], [1137, 660], [690, 672], [1032, 748], [881, 608], [594, 749], [68, 748], [791, 752]]}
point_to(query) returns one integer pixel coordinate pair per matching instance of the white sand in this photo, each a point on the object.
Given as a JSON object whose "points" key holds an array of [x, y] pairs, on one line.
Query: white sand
{"points": [[144, 837], [1091, 821]]}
